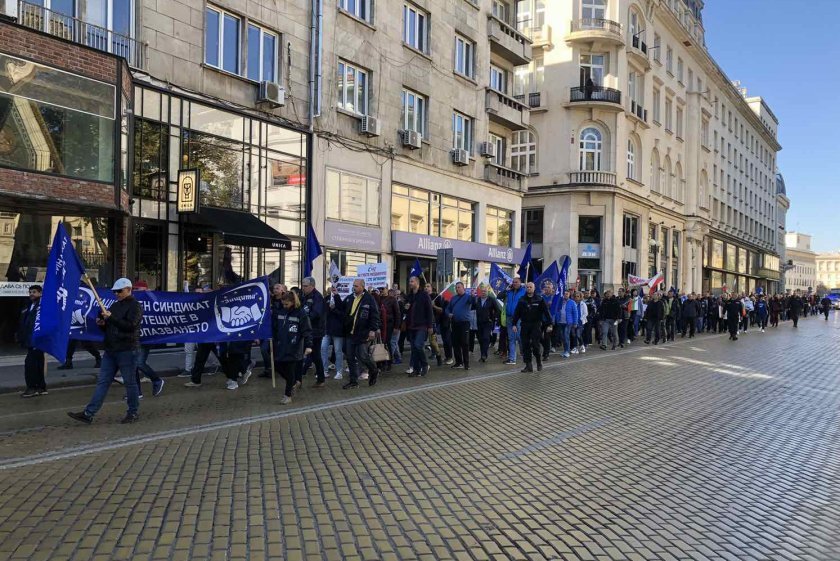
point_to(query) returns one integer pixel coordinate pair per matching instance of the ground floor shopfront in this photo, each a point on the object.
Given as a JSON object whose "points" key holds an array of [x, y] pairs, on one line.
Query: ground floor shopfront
{"points": [[731, 266]]}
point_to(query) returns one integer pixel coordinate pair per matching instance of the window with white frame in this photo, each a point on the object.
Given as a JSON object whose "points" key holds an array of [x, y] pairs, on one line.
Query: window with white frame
{"points": [[669, 60], [461, 132], [529, 78], [657, 46], [498, 79], [414, 109], [221, 40], [591, 149], [500, 158], [657, 110], [501, 9], [631, 160], [415, 28], [704, 132], [523, 152], [357, 8], [262, 54], [669, 115], [679, 122], [464, 56], [593, 9], [352, 88], [352, 198], [679, 69]]}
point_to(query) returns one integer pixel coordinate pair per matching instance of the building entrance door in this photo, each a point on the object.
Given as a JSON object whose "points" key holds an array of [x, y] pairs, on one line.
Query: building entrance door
{"points": [[590, 280]]}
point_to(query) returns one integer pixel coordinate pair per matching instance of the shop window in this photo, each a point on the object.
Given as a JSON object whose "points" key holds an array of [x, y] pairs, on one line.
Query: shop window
{"points": [[347, 261], [55, 122], [499, 223], [151, 156], [589, 229], [220, 163], [352, 198], [423, 212]]}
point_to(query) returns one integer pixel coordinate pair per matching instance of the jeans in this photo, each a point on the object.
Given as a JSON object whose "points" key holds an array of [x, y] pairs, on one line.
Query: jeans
{"points": [[512, 339], [417, 339], [608, 327], [33, 369], [142, 366], [635, 319], [112, 361], [357, 352], [338, 347], [567, 337], [578, 335], [189, 356], [461, 342], [446, 335], [396, 355]]}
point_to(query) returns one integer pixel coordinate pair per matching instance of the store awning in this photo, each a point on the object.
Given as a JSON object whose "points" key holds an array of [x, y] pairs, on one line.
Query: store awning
{"points": [[240, 228]]}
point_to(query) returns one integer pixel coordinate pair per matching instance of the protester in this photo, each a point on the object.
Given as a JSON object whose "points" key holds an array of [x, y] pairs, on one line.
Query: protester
{"points": [[312, 304], [795, 306], [531, 315], [690, 312], [511, 297], [733, 311], [334, 332], [142, 358], [362, 324], [277, 290], [571, 310], [761, 312], [583, 318], [611, 314], [458, 312], [655, 320], [393, 321], [485, 317], [121, 324], [419, 320], [33, 365], [292, 340], [825, 303], [86, 345]]}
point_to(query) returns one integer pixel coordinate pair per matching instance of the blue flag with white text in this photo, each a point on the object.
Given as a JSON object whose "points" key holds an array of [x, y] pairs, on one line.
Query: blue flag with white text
{"points": [[64, 273], [499, 280]]}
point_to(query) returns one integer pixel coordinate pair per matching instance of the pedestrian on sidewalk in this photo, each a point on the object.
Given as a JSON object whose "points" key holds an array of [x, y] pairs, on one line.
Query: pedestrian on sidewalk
{"points": [[334, 332], [362, 324], [121, 324], [33, 365]]}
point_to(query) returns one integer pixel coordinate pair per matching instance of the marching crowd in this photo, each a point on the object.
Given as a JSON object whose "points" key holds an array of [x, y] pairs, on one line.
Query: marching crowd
{"points": [[373, 330]]}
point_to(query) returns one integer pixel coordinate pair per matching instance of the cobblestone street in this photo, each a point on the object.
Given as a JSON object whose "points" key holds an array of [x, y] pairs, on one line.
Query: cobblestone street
{"points": [[700, 449]]}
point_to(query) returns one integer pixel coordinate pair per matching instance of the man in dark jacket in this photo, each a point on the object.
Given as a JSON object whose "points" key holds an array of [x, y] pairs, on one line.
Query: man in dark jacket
{"points": [[826, 306], [690, 312], [121, 324], [734, 309], [672, 320], [654, 316], [33, 365], [795, 305], [419, 321], [334, 331], [485, 317], [312, 304], [360, 330], [531, 316], [458, 311], [611, 315], [393, 322]]}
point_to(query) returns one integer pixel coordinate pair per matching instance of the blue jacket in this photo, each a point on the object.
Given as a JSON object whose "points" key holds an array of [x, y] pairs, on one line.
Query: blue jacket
{"points": [[512, 298], [761, 308], [460, 307], [560, 316], [572, 313]]}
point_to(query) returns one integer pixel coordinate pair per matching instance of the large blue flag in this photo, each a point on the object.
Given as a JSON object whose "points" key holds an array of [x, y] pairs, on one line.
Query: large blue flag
{"points": [[563, 279], [524, 266], [64, 273], [550, 277], [499, 280], [313, 250], [416, 269]]}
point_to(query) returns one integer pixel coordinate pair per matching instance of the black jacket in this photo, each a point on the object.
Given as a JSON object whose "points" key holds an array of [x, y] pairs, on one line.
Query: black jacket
{"points": [[122, 329], [313, 305], [826, 303], [364, 320], [292, 334], [532, 311], [610, 309], [334, 325], [655, 311], [733, 311], [796, 305], [485, 314], [419, 314], [26, 325], [691, 309], [676, 308]]}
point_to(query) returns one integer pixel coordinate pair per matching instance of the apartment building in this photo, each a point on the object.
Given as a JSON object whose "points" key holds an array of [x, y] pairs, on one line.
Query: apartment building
{"points": [[649, 158], [801, 272], [828, 270]]}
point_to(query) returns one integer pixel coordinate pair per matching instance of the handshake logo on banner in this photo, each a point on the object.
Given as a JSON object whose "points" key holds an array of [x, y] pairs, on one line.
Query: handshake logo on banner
{"points": [[82, 308], [241, 308]]}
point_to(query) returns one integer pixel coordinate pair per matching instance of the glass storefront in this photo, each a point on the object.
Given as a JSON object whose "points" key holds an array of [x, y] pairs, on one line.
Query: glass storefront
{"points": [[734, 268]]}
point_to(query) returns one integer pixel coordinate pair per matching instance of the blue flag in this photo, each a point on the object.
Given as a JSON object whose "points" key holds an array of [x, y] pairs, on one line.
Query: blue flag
{"points": [[563, 278], [524, 268], [416, 269], [313, 250], [499, 280], [64, 273], [550, 277]]}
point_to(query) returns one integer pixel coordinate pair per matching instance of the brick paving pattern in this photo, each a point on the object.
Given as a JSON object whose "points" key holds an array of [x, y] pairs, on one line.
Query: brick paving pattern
{"points": [[703, 449]]}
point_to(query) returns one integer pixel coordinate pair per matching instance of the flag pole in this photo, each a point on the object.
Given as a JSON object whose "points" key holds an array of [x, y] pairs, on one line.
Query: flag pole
{"points": [[93, 288], [271, 350]]}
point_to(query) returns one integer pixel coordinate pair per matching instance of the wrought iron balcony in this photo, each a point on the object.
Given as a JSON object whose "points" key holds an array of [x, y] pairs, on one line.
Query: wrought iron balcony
{"points": [[595, 94], [638, 111], [639, 44], [534, 100], [81, 32]]}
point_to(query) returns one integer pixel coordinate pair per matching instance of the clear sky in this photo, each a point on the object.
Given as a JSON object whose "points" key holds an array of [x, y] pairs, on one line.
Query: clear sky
{"points": [[789, 54]]}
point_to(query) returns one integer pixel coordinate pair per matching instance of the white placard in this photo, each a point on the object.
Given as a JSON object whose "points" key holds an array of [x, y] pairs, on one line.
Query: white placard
{"points": [[344, 286], [375, 275]]}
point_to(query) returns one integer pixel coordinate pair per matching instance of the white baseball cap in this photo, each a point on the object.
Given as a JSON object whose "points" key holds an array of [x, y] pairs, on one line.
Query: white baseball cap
{"points": [[120, 284]]}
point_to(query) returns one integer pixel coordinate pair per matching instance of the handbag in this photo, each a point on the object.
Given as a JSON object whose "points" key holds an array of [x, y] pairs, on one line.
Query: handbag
{"points": [[378, 352]]}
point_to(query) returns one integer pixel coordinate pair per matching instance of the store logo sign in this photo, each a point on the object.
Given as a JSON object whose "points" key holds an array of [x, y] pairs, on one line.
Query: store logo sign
{"points": [[188, 189]]}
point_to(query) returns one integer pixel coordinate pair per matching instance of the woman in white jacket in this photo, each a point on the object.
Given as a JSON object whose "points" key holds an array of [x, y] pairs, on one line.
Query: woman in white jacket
{"points": [[584, 314]]}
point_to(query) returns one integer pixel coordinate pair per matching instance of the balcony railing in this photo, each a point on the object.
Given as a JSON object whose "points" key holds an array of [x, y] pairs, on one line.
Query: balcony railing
{"points": [[81, 32], [586, 24], [595, 93], [638, 111], [592, 178], [639, 44], [534, 99]]}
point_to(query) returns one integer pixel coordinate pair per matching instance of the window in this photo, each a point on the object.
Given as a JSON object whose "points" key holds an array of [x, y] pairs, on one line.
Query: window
{"points": [[262, 54], [669, 117], [415, 28], [690, 81], [652, 253], [499, 143], [679, 122], [352, 88], [221, 40], [592, 67], [529, 78], [657, 111], [590, 149], [357, 8], [348, 261], [589, 229], [631, 232], [464, 56], [669, 60], [680, 70], [628, 268], [423, 212], [501, 10], [523, 152], [532, 225], [655, 184], [352, 198], [499, 223], [414, 108], [461, 132], [151, 159], [497, 79], [657, 47], [593, 10], [704, 133], [631, 160]]}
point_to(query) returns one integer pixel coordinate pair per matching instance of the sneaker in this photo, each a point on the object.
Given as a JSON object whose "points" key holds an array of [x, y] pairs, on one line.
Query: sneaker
{"points": [[81, 416], [43, 392], [145, 380], [130, 419], [119, 380], [510, 362], [192, 384], [243, 379], [410, 371], [553, 350], [66, 366], [338, 376], [456, 366], [583, 349], [232, 385], [286, 400], [449, 361], [363, 376], [29, 393], [350, 386], [249, 370], [762, 330], [565, 355], [185, 374], [575, 351], [157, 387]]}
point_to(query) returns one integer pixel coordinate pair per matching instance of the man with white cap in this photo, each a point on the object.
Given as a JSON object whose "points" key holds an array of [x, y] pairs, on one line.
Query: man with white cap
{"points": [[121, 324]]}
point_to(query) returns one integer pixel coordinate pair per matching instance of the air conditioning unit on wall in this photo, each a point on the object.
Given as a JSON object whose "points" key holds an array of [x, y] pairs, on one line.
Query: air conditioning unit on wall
{"points": [[460, 157], [412, 139], [272, 93], [369, 126]]}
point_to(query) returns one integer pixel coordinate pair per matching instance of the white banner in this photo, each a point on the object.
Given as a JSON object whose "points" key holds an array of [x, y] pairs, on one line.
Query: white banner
{"points": [[344, 286], [375, 275], [16, 289]]}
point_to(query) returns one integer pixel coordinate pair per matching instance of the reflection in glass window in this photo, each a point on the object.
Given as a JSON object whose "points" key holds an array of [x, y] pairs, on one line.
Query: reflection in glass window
{"points": [[352, 198], [151, 154], [220, 164]]}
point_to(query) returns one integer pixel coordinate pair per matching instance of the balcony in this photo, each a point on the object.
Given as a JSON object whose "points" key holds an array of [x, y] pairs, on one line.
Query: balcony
{"points": [[592, 178], [596, 96], [638, 111], [81, 32], [507, 42], [596, 32], [537, 101], [503, 177], [506, 111], [637, 52], [540, 35]]}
